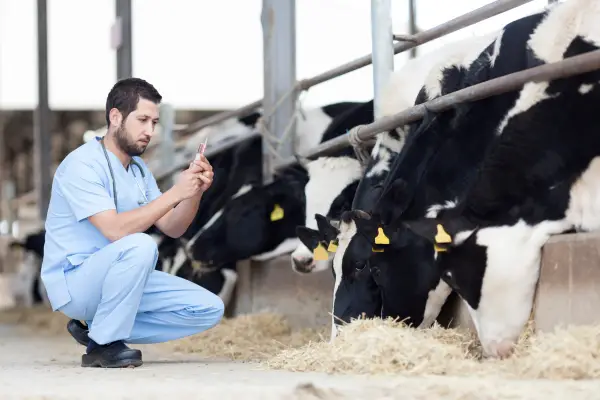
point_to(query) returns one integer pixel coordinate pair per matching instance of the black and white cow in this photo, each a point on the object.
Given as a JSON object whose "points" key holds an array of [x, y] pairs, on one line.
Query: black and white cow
{"points": [[253, 223], [436, 166], [361, 296], [541, 177], [27, 284], [335, 179]]}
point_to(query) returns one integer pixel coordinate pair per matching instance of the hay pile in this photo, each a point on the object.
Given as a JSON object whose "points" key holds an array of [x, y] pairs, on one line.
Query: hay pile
{"points": [[389, 347], [252, 337], [39, 318]]}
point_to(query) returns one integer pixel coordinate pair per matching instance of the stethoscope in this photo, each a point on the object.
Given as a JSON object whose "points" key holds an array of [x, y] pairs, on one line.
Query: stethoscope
{"points": [[132, 162]]}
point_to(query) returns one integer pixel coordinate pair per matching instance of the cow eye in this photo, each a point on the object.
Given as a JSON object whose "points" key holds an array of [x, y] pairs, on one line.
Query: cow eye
{"points": [[359, 265]]}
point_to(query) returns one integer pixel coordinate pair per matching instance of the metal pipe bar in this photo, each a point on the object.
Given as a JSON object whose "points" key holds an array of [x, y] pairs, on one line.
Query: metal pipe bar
{"points": [[220, 117], [463, 21], [278, 21], [42, 143], [382, 49], [568, 67], [468, 19], [412, 24], [124, 45], [180, 162]]}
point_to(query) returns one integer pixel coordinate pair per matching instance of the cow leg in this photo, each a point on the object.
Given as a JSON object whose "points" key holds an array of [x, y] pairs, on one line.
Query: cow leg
{"points": [[228, 285]]}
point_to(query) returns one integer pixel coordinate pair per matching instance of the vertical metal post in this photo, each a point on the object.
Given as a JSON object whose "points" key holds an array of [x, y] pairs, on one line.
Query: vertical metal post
{"points": [[278, 19], [122, 39], [412, 24], [383, 48], [167, 145], [41, 138]]}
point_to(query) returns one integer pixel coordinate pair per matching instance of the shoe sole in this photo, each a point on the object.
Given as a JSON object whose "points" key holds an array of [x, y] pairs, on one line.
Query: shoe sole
{"points": [[126, 363]]}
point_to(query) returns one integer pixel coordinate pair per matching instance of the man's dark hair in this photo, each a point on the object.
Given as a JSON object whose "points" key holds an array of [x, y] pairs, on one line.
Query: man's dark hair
{"points": [[126, 93]]}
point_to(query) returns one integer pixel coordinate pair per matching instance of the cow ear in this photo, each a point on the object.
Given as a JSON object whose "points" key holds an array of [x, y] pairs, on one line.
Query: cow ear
{"points": [[328, 232], [335, 223], [309, 237], [431, 229]]}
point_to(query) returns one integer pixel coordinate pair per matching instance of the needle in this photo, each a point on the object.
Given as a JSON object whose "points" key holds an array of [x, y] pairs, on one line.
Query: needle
{"points": [[201, 148]]}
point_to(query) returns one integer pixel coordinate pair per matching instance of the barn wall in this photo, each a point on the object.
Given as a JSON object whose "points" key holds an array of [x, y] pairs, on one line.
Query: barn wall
{"points": [[305, 300]]}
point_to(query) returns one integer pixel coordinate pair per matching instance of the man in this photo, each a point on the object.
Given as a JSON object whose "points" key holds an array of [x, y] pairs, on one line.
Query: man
{"points": [[98, 264]]}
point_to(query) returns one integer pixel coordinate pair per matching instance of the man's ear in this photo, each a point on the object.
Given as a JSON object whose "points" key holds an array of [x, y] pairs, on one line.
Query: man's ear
{"points": [[115, 117], [328, 232]]}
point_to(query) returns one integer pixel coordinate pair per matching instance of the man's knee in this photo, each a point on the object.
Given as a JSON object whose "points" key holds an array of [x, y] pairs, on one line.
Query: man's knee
{"points": [[211, 305], [141, 247]]}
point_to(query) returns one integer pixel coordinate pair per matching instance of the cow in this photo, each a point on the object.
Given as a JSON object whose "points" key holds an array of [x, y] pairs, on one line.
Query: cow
{"points": [[254, 222], [541, 177], [334, 179], [27, 284], [429, 174], [362, 295]]}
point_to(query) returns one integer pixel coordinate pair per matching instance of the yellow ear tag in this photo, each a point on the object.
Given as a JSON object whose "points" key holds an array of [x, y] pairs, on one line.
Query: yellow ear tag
{"points": [[319, 253], [277, 213], [442, 236], [332, 246], [439, 249], [376, 250], [381, 238]]}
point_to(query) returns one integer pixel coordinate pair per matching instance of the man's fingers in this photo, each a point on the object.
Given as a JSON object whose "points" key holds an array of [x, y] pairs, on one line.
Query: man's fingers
{"points": [[204, 178], [203, 165], [195, 167], [201, 158]]}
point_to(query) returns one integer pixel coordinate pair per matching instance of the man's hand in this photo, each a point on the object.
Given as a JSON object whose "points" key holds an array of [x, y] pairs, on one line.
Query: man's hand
{"points": [[202, 166], [190, 185]]}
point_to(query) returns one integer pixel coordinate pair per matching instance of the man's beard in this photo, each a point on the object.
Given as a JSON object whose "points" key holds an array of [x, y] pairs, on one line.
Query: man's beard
{"points": [[131, 149]]}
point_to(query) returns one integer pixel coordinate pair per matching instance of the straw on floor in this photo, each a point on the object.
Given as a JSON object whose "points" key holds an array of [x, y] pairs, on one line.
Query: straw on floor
{"points": [[389, 347]]}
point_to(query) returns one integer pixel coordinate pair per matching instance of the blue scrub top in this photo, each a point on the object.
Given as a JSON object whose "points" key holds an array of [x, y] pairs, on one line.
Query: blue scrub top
{"points": [[82, 186]]}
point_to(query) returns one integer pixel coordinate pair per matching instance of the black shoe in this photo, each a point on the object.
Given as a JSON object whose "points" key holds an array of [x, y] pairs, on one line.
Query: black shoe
{"points": [[112, 355], [78, 331]]}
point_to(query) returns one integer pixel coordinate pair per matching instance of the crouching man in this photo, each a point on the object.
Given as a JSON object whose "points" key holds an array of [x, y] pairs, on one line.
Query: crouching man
{"points": [[99, 266]]}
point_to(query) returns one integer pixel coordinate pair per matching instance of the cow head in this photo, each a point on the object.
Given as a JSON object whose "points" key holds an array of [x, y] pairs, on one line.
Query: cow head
{"points": [[402, 265], [253, 222], [494, 269], [355, 296], [321, 243], [329, 191]]}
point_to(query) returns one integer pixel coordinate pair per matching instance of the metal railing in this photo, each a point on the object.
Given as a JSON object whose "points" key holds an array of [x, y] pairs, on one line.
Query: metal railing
{"points": [[407, 42], [574, 65]]}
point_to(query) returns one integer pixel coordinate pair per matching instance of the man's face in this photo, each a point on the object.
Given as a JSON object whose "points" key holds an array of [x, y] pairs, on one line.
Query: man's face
{"points": [[135, 132]]}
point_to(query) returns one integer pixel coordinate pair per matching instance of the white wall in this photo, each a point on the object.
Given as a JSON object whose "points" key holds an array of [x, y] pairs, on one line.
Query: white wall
{"points": [[200, 53]]}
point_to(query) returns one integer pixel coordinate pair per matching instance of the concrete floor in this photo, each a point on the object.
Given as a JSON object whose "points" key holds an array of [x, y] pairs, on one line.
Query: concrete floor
{"points": [[36, 367]]}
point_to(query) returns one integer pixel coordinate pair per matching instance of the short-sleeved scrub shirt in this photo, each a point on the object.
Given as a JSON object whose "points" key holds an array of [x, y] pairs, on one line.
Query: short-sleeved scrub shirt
{"points": [[83, 186]]}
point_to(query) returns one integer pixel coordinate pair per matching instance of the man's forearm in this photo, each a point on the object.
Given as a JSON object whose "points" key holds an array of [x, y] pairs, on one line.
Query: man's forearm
{"points": [[138, 219], [176, 222]]}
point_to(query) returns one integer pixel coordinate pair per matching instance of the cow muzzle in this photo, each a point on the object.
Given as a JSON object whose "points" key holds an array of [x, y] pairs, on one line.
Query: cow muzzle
{"points": [[303, 265], [498, 349]]}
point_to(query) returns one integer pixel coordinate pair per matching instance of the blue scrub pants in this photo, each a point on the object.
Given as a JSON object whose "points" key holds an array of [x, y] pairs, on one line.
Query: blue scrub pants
{"points": [[122, 297]]}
